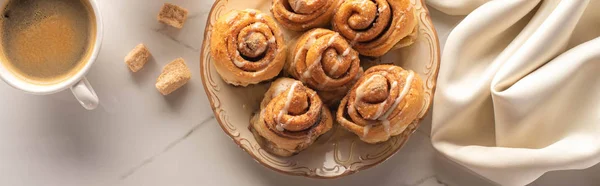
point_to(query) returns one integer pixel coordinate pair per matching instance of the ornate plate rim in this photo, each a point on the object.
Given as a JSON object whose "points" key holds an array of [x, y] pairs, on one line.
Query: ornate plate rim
{"points": [[347, 172]]}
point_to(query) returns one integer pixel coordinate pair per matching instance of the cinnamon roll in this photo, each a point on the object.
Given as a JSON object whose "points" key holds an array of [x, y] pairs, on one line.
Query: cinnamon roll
{"points": [[374, 27], [325, 61], [248, 47], [291, 118], [301, 15], [382, 103]]}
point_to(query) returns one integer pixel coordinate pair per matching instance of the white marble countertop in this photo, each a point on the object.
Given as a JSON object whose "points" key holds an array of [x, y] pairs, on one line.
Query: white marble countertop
{"points": [[138, 137]]}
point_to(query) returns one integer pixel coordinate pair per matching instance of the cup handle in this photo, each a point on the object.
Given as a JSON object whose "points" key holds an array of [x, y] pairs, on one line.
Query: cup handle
{"points": [[85, 94]]}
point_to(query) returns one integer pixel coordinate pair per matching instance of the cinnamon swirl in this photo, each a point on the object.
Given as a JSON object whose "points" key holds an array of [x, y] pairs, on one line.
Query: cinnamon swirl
{"points": [[301, 15], [291, 118], [248, 47], [382, 103], [326, 62], [374, 27]]}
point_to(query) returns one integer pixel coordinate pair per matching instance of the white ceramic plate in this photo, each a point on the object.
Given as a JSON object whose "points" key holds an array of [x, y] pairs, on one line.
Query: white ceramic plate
{"points": [[337, 153]]}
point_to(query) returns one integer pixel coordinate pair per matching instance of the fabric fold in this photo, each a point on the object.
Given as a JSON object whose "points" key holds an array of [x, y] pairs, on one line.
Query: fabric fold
{"points": [[456, 7], [513, 101]]}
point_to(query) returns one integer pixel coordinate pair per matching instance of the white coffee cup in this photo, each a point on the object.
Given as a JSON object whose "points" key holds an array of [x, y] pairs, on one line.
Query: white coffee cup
{"points": [[79, 85]]}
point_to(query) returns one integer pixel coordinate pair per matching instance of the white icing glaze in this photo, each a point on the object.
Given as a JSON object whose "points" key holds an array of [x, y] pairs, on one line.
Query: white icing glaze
{"points": [[259, 16], [351, 110], [382, 105], [245, 16], [366, 130], [272, 40], [332, 39], [355, 39], [278, 90], [381, 8], [386, 126], [405, 89], [346, 52], [398, 26], [384, 119], [336, 65], [292, 15], [231, 18], [360, 90], [309, 137], [340, 59], [251, 12], [281, 126], [237, 63], [311, 40], [256, 26], [287, 122], [308, 71]]}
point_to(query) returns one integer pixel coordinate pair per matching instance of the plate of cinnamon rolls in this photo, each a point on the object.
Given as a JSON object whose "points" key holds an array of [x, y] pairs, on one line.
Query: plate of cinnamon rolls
{"points": [[320, 88]]}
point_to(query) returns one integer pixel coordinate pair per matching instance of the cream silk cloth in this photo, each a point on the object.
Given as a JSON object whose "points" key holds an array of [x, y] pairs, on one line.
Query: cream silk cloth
{"points": [[518, 92]]}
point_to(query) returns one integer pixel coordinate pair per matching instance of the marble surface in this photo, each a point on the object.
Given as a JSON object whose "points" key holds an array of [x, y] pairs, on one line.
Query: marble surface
{"points": [[138, 137]]}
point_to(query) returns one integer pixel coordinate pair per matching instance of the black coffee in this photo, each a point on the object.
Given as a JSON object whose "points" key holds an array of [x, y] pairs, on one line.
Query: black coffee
{"points": [[46, 41]]}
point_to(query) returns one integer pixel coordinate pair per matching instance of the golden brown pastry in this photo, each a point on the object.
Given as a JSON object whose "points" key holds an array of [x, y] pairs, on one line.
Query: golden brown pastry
{"points": [[382, 103], [301, 15], [374, 27], [291, 118], [248, 47], [325, 61]]}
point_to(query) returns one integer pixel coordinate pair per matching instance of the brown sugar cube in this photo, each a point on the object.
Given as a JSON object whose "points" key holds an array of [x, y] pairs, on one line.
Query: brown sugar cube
{"points": [[137, 58], [174, 75], [173, 15]]}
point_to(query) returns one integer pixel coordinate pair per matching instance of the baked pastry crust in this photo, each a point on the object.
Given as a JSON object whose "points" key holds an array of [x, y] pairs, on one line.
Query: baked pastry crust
{"points": [[290, 119], [382, 103], [248, 47], [375, 27], [301, 15], [324, 61]]}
